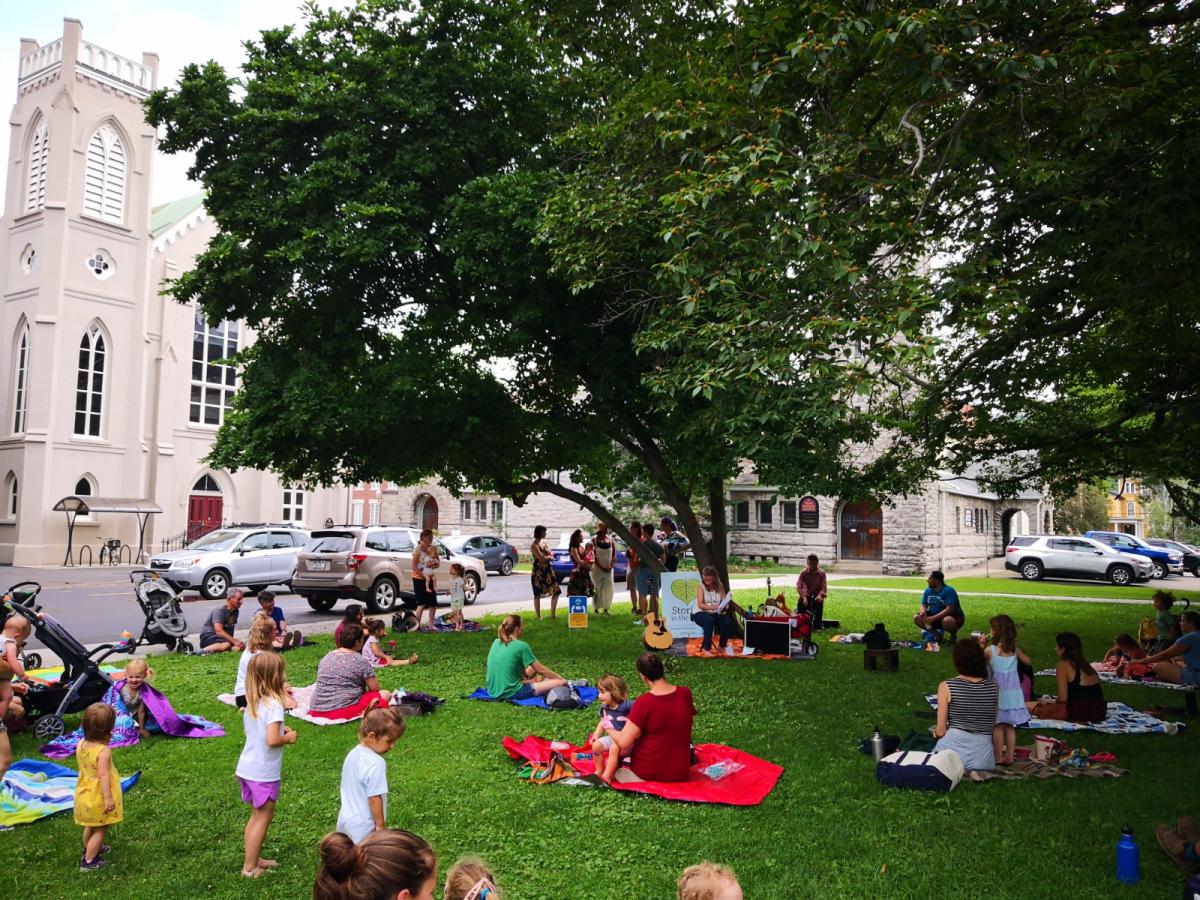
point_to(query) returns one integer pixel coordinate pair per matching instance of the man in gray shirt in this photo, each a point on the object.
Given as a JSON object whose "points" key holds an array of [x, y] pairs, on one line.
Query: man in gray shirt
{"points": [[647, 579], [217, 634]]}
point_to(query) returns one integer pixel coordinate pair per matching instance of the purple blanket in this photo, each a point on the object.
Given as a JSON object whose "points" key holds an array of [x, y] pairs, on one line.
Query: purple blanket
{"points": [[160, 718]]}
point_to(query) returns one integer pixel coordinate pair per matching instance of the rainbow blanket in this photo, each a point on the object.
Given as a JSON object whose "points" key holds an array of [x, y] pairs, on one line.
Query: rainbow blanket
{"points": [[33, 789], [160, 718]]}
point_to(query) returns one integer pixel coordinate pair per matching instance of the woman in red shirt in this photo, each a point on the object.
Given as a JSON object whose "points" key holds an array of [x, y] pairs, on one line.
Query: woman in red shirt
{"points": [[659, 730]]}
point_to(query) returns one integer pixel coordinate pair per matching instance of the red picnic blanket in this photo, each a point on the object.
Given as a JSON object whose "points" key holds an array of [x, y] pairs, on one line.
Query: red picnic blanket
{"points": [[746, 787]]}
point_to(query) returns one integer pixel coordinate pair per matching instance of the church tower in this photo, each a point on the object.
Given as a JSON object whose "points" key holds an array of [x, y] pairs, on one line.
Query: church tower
{"points": [[75, 327]]}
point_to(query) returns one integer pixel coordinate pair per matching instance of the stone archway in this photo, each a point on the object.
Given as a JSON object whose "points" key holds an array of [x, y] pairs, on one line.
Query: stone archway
{"points": [[861, 530], [426, 512], [1012, 523]]}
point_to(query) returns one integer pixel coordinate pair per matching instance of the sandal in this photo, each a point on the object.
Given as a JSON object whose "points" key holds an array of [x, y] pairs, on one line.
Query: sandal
{"points": [[268, 863], [252, 873]]}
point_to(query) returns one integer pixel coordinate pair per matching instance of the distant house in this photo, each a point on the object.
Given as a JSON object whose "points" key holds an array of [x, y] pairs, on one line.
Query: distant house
{"points": [[1128, 510]]}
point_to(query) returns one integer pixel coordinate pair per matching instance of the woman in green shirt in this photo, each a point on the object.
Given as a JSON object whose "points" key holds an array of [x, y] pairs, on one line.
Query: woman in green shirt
{"points": [[512, 667]]}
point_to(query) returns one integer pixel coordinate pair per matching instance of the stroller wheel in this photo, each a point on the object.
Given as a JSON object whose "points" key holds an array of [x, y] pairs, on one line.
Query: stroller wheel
{"points": [[33, 660], [182, 646], [47, 728]]}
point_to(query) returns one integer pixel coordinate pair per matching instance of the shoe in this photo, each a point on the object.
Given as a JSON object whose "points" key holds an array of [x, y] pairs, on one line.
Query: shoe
{"points": [[287, 641], [1187, 829], [729, 650], [297, 639], [578, 683], [97, 862], [104, 850], [1174, 846]]}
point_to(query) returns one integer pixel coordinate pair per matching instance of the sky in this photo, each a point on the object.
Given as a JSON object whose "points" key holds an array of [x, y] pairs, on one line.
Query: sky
{"points": [[179, 31]]}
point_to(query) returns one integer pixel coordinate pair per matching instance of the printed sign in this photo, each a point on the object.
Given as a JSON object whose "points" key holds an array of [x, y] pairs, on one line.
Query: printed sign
{"points": [[810, 512], [678, 597], [577, 614]]}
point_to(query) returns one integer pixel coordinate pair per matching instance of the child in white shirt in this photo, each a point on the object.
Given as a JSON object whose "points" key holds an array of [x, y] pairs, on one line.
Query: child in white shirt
{"points": [[458, 594], [364, 774]]}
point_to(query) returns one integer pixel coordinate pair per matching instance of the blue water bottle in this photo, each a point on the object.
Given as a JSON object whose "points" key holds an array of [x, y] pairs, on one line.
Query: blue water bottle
{"points": [[1128, 858]]}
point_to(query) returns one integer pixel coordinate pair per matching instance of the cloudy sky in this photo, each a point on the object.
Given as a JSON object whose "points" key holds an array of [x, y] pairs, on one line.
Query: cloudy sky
{"points": [[179, 31]]}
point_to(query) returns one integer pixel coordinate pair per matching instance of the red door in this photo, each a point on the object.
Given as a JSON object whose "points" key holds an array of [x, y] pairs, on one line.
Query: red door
{"points": [[862, 531], [204, 514], [429, 514]]}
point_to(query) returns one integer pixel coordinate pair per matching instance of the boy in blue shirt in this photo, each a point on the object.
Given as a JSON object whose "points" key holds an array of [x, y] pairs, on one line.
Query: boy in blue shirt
{"points": [[940, 609]]}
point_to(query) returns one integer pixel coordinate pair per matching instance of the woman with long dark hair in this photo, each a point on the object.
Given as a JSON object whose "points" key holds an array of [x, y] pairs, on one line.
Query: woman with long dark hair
{"points": [[542, 579], [1080, 697], [580, 582]]}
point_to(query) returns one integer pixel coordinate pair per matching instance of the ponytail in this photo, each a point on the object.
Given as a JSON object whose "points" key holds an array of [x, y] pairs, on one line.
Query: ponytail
{"points": [[508, 628], [381, 866]]}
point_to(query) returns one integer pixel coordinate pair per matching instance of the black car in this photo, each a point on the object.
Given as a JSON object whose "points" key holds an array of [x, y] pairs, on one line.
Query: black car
{"points": [[497, 555], [1191, 556]]}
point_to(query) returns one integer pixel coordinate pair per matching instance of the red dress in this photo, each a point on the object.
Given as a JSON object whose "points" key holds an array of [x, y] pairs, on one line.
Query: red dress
{"points": [[663, 750]]}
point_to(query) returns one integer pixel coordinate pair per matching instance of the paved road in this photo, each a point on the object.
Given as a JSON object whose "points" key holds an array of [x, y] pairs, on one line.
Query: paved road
{"points": [[97, 603]]}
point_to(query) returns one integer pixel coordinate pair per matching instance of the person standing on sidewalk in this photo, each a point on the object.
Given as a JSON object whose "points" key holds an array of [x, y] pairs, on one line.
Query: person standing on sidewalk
{"points": [[543, 579], [602, 569]]}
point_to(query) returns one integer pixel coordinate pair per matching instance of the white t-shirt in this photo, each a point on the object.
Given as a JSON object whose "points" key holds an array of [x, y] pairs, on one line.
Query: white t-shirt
{"points": [[239, 686], [364, 775], [259, 761]]}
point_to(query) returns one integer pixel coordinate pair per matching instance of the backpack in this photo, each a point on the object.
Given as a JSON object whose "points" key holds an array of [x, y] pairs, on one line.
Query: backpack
{"points": [[878, 638], [404, 622], [562, 697], [940, 771]]}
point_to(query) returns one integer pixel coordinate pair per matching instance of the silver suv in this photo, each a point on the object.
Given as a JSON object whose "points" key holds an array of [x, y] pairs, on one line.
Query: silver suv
{"points": [[256, 556], [372, 564], [1064, 556]]}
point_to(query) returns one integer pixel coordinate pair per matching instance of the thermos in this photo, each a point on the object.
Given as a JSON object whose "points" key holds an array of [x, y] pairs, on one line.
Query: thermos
{"points": [[1128, 858], [878, 754]]}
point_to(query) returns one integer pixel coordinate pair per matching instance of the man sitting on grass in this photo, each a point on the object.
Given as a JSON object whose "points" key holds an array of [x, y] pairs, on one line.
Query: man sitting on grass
{"points": [[217, 634], [940, 610]]}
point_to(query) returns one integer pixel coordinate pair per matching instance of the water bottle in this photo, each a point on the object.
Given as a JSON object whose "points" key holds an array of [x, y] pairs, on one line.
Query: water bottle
{"points": [[1128, 858], [877, 747]]}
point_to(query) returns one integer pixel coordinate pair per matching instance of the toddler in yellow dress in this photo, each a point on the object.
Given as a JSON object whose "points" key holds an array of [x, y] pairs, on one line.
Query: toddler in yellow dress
{"points": [[98, 801]]}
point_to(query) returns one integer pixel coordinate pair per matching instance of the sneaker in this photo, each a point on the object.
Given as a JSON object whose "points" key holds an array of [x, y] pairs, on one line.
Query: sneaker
{"points": [[1187, 829], [729, 650], [97, 862], [105, 850], [1174, 846], [927, 636], [297, 639], [578, 683]]}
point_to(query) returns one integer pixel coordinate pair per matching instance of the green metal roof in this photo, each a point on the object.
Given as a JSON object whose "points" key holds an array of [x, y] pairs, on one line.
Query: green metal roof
{"points": [[165, 217]]}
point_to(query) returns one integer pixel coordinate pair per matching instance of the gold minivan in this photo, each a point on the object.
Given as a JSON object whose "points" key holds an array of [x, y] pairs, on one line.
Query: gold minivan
{"points": [[372, 564]]}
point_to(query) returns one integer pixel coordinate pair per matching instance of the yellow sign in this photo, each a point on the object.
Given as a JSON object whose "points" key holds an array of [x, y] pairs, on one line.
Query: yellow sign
{"points": [[577, 614]]}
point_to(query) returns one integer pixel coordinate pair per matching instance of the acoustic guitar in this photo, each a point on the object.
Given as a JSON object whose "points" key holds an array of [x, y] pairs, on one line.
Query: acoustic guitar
{"points": [[656, 636]]}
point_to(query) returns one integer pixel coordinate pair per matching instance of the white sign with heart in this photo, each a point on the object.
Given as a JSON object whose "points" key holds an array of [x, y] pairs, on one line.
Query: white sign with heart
{"points": [[678, 595]]}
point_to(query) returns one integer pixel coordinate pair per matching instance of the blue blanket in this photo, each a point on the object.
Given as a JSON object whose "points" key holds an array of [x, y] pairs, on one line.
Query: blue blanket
{"points": [[587, 696], [32, 789]]}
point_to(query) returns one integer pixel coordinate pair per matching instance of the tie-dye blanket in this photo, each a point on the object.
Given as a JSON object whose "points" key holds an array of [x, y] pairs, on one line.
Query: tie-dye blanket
{"points": [[1108, 674], [1121, 719], [32, 789], [160, 718]]}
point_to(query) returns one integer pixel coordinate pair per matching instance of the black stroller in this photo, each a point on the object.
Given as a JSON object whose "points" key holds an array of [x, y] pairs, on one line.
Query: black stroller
{"points": [[165, 622], [82, 682]]}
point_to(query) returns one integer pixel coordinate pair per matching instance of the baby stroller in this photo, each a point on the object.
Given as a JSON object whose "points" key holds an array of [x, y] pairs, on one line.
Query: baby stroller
{"points": [[82, 682], [26, 592], [165, 622]]}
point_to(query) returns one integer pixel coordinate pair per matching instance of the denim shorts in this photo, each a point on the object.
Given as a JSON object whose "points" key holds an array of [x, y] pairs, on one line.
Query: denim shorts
{"points": [[647, 582], [524, 693]]}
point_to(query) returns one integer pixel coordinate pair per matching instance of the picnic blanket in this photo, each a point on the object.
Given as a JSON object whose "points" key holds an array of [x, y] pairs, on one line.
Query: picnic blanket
{"points": [[1108, 674], [1121, 719], [927, 646], [53, 673], [303, 696], [32, 789], [440, 624], [691, 647], [587, 696], [160, 719], [745, 787], [1022, 769]]}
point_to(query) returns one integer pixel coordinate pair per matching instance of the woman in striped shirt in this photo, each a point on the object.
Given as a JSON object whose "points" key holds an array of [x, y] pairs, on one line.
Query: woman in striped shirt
{"points": [[967, 706]]}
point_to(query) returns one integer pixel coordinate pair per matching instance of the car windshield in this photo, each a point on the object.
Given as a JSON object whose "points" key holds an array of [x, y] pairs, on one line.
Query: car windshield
{"points": [[339, 542], [216, 540]]}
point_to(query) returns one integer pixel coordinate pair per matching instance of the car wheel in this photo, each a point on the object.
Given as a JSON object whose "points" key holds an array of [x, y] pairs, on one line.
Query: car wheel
{"points": [[1157, 569], [321, 604], [214, 585], [470, 587], [506, 566], [384, 595], [1031, 570], [1120, 575]]}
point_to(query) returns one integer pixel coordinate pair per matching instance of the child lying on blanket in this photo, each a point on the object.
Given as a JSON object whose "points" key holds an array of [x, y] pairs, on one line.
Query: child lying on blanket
{"points": [[1124, 648]]}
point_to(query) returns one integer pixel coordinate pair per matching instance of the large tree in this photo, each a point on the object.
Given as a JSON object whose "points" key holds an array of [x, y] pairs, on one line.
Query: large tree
{"points": [[399, 196]]}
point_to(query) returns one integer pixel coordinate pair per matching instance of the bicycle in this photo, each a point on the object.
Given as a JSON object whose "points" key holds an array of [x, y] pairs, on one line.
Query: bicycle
{"points": [[113, 551]]}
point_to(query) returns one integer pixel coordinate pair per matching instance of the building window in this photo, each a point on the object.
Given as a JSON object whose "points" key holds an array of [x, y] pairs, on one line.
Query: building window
{"points": [[497, 511], [958, 519], [89, 383], [101, 264], [481, 510], [10, 496], [28, 259], [356, 512], [21, 380], [1130, 488], [213, 383], [293, 504], [741, 514], [765, 511], [206, 484], [374, 508], [39, 157], [1131, 510], [788, 512], [104, 180], [464, 510], [83, 487]]}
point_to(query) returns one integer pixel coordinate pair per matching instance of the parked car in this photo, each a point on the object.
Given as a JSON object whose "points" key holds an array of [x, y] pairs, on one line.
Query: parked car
{"points": [[1191, 555], [561, 563], [1037, 555], [496, 555], [373, 564], [255, 556], [1164, 562]]}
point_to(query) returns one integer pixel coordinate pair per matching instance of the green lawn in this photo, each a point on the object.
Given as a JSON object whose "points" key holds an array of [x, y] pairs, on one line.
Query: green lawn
{"points": [[827, 829], [1188, 587]]}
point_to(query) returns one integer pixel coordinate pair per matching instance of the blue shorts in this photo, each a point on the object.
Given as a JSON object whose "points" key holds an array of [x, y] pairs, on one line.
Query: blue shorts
{"points": [[524, 693], [1190, 676], [647, 582]]}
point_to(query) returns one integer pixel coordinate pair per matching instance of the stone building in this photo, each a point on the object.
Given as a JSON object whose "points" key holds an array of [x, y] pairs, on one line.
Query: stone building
{"points": [[108, 390]]}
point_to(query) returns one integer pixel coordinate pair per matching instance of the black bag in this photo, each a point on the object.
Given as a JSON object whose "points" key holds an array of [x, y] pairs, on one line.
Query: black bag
{"points": [[563, 697], [878, 638], [404, 622]]}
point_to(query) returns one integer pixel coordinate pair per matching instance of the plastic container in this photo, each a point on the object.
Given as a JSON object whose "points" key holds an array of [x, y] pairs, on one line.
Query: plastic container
{"points": [[1129, 869]]}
